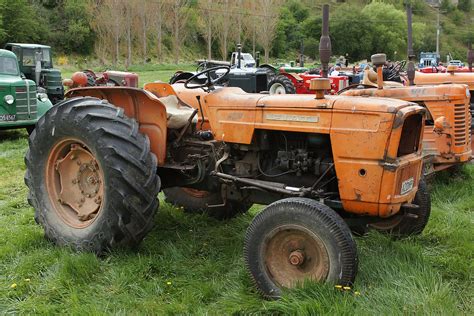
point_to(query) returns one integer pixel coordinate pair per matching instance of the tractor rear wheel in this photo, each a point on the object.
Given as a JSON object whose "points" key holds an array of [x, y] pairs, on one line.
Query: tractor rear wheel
{"points": [[412, 222], [281, 85], [91, 176], [198, 202], [298, 239]]}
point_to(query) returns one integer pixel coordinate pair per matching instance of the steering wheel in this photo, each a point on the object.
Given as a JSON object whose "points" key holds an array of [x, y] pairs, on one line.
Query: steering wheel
{"points": [[208, 85], [356, 86], [395, 70]]}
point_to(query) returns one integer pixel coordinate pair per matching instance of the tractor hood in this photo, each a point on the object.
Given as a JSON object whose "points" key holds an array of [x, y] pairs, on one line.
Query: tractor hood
{"points": [[237, 96], [443, 78], [414, 93]]}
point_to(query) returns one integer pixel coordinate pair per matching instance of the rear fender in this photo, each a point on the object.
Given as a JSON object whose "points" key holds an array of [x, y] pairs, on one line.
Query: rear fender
{"points": [[139, 104]]}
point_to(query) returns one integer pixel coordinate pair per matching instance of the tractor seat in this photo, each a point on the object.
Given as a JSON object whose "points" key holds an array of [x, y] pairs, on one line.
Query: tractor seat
{"points": [[370, 78], [177, 114]]}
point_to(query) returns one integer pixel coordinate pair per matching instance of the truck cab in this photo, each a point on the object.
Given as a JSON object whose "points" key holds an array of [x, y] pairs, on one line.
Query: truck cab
{"points": [[36, 64], [20, 103]]}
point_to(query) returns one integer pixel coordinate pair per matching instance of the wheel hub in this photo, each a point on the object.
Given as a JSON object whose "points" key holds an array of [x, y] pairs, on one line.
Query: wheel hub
{"points": [[293, 254], [297, 257], [81, 184]]}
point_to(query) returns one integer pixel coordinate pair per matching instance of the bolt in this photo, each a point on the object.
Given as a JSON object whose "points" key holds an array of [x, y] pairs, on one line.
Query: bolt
{"points": [[89, 195], [78, 162], [296, 258], [83, 199], [74, 181], [72, 157], [60, 201]]}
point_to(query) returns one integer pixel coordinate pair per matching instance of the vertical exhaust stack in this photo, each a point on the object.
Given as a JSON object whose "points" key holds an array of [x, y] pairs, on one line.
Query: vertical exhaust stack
{"points": [[470, 56], [410, 54], [379, 61], [239, 55], [325, 42]]}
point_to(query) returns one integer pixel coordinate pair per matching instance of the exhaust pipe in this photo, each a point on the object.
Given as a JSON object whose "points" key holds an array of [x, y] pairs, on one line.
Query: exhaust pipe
{"points": [[257, 59], [410, 54], [325, 43]]}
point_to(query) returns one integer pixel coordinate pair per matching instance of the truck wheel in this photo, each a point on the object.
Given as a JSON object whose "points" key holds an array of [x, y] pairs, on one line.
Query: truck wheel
{"points": [[411, 223], [281, 85], [197, 202], [91, 176], [296, 239]]}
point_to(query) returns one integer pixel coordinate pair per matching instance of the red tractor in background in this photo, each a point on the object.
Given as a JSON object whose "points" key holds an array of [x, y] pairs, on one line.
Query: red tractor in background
{"points": [[299, 83], [88, 78]]}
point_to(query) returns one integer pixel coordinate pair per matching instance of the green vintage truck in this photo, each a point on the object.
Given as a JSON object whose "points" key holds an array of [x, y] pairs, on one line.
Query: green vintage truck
{"points": [[36, 63], [21, 105]]}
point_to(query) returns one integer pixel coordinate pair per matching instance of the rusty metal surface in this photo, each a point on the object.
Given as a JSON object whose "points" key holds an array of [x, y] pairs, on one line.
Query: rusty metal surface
{"points": [[453, 144], [75, 183], [325, 49], [293, 254]]}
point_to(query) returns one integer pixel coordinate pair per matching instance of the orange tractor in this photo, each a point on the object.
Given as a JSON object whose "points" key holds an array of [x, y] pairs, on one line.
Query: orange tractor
{"points": [[97, 161], [447, 138]]}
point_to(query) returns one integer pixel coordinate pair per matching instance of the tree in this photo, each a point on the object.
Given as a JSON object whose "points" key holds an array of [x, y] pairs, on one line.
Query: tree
{"points": [[388, 28], [156, 8], [223, 27], [265, 33], [178, 12], [205, 23]]}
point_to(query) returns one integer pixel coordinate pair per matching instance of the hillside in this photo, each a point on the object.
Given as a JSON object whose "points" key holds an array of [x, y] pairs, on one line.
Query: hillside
{"points": [[123, 32]]}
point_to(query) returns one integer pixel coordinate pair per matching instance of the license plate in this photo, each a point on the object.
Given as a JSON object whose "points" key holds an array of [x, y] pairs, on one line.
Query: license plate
{"points": [[7, 117], [407, 186]]}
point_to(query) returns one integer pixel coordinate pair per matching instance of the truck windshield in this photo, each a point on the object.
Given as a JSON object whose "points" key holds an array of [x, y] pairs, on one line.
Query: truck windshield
{"points": [[9, 66], [29, 57]]}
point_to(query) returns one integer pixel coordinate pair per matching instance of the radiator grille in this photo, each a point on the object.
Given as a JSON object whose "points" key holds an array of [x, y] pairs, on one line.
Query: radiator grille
{"points": [[461, 125], [23, 111]]}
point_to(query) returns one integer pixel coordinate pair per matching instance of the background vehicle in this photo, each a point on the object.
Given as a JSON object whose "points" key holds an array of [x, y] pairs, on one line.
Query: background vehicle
{"points": [[456, 62], [20, 102], [36, 64], [446, 139]]}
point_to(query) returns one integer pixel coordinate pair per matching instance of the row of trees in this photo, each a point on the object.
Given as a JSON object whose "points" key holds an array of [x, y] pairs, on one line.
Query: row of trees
{"points": [[140, 24], [131, 31]]}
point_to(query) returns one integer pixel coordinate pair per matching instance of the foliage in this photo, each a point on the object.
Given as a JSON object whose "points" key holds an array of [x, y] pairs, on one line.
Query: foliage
{"points": [[358, 28]]}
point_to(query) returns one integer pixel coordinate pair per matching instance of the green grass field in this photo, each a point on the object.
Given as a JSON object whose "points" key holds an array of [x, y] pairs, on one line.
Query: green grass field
{"points": [[191, 264]]}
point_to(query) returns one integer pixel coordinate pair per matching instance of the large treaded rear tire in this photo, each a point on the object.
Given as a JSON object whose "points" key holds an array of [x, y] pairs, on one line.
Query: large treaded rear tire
{"points": [[199, 203], [129, 168], [335, 262]]}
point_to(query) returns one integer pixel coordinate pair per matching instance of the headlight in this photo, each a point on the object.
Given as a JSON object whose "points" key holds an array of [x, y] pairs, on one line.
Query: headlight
{"points": [[43, 97], [9, 99]]}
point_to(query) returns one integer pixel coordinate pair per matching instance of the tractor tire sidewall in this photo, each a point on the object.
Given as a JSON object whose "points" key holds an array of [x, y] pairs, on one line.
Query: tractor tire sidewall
{"points": [[314, 216], [113, 224], [409, 226], [284, 82], [415, 226], [177, 196]]}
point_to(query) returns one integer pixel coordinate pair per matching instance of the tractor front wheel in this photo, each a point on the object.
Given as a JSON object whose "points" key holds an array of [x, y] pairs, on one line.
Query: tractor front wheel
{"points": [[298, 239], [281, 85], [91, 176], [412, 222], [198, 202]]}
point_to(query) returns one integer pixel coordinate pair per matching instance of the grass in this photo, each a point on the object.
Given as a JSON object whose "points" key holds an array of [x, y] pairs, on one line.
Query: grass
{"points": [[192, 264]]}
